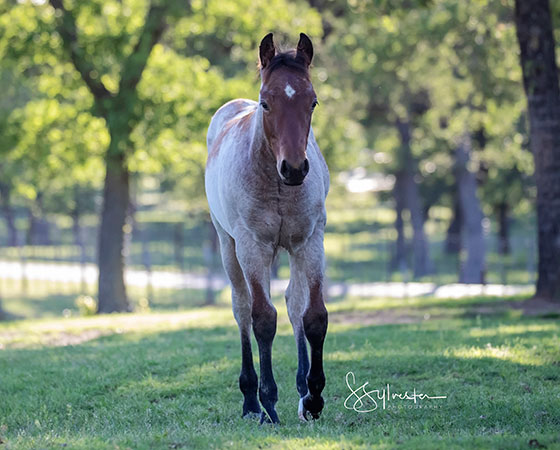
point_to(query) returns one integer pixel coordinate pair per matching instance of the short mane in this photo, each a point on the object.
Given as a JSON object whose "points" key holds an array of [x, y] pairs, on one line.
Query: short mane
{"points": [[287, 59]]}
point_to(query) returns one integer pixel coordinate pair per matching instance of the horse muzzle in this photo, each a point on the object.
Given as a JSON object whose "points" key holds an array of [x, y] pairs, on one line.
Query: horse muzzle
{"points": [[293, 176]]}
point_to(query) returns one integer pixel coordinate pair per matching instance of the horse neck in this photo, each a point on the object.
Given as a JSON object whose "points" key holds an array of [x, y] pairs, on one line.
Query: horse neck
{"points": [[261, 156]]}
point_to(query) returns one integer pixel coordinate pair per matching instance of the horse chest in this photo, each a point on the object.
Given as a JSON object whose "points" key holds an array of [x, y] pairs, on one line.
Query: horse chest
{"points": [[295, 232], [283, 222]]}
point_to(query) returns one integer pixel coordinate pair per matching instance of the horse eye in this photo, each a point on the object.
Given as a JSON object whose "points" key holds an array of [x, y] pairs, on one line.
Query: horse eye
{"points": [[314, 104], [265, 106]]}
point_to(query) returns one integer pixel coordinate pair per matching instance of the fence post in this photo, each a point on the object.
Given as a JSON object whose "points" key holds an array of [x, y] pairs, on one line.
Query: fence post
{"points": [[405, 276], [531, 259], [209, 250], [83, 282], [22, 261], [147, 263], [388, 253], [2, 313], [178, 241]]}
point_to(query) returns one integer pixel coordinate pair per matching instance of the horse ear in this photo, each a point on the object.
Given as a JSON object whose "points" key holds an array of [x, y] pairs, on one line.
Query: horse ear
{"points": [[305, 48], [266, 50]]}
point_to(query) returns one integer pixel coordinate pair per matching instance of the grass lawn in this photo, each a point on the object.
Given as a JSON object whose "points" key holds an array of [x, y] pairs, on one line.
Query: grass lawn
{"points": [[169, 379]]}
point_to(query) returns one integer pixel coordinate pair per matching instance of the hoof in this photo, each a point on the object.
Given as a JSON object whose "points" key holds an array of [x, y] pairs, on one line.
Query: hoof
{"points": [[269, 418], [251, 415], [265, 418], [251, 409], [310, 406], [301, 411]]}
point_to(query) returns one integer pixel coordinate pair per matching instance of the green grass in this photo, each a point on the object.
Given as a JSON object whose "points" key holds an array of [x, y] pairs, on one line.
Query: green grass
{"points": [[169, 379], [45, 299]]}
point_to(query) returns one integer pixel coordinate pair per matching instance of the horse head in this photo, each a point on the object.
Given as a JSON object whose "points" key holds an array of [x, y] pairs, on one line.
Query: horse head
{"points": [[287, 100]]}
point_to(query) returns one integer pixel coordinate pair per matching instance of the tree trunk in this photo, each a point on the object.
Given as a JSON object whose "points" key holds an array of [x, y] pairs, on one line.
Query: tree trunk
{"points": [[399, 258], [179, 245], [76, 228], [38, 230], [540, 80], [8, 212], [3, 315], [472, 271], [118, 110], [412, 202], [422, 263], [453, 239], [502, 210], [112, 291], [130, 227]]}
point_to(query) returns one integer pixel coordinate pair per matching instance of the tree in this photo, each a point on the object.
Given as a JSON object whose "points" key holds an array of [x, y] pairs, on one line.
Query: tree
{"points": [[162, 101], [56, 158], [16, 92], [119, 109], [109, 62], [540, 80], [473, 268], [475, 86], [396, 99]]}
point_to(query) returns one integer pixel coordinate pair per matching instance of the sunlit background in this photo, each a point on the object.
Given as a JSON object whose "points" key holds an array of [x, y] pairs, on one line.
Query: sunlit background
{"points": [[422, 120]]}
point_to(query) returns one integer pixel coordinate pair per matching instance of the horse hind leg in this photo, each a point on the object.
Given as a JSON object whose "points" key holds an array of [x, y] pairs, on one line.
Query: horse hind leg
{"points": [[241, 303]]}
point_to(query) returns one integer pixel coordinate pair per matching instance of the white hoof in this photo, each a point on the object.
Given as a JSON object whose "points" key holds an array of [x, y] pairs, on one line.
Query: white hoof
{"points": [[301, 411]]}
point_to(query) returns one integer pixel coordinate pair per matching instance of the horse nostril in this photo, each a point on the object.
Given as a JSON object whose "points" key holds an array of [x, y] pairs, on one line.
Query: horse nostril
{"points": [[284, 169], [304, 167], [294, 176]]}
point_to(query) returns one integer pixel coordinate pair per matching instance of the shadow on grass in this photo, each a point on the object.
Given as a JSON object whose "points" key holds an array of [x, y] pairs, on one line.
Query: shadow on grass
{"points": [[179, 388], [27, 306], [43, 305]]}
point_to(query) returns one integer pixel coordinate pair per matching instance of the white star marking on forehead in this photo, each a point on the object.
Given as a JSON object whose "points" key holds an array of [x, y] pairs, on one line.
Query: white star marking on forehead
{"points": [[289, 90]]}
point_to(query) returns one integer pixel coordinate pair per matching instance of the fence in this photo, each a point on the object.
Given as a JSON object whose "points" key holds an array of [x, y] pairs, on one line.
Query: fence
{"points": [[358, 251]]}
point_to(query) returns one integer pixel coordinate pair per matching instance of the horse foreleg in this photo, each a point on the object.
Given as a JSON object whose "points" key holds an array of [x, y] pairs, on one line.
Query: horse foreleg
{"points": [[256, 262], [296, 301], [307, 311], [241, 304], [315, 321], [264, 326]]}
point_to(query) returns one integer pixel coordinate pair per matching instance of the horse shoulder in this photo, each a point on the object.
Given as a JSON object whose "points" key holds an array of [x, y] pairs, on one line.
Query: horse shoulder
{"points": [[324, 169], [229, 128], [235, 113]]}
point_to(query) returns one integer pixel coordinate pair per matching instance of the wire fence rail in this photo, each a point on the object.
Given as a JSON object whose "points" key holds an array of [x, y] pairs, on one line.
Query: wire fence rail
{"points": [[184, 256]]}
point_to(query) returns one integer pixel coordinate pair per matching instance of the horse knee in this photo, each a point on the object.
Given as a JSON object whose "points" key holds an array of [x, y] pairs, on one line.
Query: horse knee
{"points": [[248, 382], [264, 321], [315, 322], [316, 381]]}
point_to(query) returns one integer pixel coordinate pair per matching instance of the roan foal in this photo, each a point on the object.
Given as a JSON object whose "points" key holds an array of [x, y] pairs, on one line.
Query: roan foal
{"points": [[266, 183]]}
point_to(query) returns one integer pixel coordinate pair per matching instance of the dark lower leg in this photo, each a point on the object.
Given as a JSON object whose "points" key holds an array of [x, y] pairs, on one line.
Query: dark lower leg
{"points": [[303, 363], [264, 326], [248, 381], [315, 322]]}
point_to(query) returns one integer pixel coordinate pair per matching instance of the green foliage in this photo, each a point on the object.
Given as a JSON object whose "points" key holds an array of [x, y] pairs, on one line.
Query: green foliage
{"points": [[87, 306], [447, 66], [207, 56]]}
